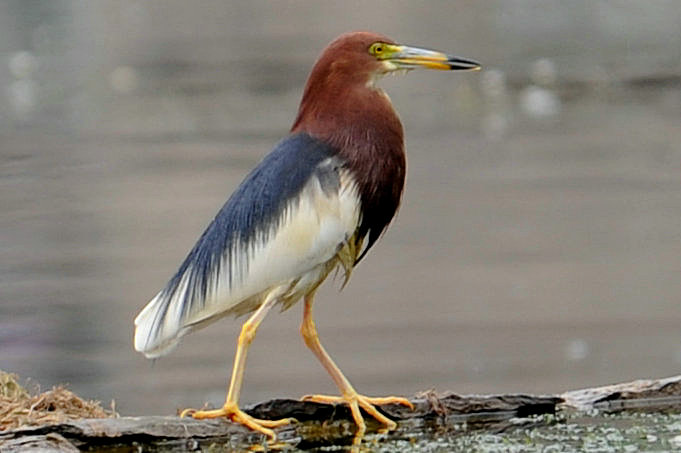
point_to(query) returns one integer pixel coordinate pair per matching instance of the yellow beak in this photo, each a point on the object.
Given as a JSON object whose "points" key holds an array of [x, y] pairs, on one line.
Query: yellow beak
{"points": [[406, 57]]}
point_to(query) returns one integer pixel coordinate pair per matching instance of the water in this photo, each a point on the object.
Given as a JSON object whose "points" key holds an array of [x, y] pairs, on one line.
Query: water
{"points": [[538, 248]]}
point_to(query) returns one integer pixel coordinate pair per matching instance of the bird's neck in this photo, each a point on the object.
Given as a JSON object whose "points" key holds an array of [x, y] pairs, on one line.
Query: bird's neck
{"points": [[358, 117]]}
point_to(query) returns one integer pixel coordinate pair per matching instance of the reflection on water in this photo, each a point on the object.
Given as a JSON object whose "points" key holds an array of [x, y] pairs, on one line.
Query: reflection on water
{"points": [[538, 247]]}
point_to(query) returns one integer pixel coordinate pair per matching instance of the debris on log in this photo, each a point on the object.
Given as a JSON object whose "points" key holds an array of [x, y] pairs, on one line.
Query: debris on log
{"points": [[19, 408], [323, 425]]}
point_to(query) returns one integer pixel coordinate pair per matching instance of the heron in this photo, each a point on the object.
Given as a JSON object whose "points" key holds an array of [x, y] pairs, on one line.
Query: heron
{"points": [[317, 202]]}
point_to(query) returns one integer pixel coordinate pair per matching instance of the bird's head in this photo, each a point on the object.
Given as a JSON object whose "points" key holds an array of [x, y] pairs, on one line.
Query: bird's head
{"points": [[363, 57]]}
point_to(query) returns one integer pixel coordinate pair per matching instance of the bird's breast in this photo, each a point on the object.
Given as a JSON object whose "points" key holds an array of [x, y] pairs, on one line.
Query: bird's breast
{"points": [[378, 165]]}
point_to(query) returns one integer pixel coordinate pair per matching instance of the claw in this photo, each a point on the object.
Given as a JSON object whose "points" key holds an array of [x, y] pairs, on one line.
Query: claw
{"points": [[356, 401], [236, 415]]}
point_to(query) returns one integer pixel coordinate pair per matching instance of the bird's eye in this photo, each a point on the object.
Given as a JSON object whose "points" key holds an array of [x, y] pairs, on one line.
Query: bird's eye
{"points": [[376, 49]]}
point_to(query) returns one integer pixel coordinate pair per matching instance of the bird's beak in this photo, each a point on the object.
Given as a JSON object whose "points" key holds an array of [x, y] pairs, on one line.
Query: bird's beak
{"points": [[406, 57]]}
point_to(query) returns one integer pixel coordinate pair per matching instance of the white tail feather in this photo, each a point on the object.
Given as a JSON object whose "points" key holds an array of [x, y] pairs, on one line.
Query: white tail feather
{"points": [[155, 339]]}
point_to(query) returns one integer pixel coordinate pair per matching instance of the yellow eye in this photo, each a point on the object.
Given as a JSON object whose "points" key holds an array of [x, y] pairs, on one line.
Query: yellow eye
{"points": [[377, 49]]}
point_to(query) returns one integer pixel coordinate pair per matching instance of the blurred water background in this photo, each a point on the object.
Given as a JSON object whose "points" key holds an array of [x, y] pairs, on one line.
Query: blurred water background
{"points": [[539, 243]]}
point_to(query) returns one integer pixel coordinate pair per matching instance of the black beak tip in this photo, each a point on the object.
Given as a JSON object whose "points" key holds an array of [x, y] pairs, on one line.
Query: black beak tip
{"points": [[461, 64]]}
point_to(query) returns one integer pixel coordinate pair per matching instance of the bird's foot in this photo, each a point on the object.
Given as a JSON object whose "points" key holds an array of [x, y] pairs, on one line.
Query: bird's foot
{"points": [[356, 401], [236, 415]]}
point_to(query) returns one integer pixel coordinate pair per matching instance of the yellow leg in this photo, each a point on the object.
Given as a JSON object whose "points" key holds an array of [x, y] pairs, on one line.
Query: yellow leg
{"points": [[348, 394], [231, 407]]}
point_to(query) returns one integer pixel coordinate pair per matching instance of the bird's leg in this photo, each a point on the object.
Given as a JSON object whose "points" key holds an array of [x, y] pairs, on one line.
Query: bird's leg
{"points": [[231, 407], [348, 395]]}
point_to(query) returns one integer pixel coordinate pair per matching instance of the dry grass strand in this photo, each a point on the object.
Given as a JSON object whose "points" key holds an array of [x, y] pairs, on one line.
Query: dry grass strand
{"points": [[19, 408]]}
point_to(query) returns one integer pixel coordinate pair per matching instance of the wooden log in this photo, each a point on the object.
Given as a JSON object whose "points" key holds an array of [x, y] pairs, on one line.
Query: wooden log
{"points": [[320, 424], [653, 394]]}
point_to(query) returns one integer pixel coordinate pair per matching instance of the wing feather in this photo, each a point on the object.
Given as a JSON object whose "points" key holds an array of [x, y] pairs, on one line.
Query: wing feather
{"points": [[291, 215]]}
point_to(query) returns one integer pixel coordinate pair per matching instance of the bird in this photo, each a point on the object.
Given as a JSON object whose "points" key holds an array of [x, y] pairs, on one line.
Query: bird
{"points": [[318, 202]]}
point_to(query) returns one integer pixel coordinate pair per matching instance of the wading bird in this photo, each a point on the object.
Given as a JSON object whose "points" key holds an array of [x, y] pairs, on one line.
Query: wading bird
{"points": [[318, 201]]}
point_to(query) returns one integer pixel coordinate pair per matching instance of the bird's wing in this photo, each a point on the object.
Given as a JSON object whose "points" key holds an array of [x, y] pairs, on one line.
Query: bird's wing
{"points": [[293, 212]]}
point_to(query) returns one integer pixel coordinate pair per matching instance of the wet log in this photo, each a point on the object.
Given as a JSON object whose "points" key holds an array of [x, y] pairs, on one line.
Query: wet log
{"points": [[322, 425]]}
